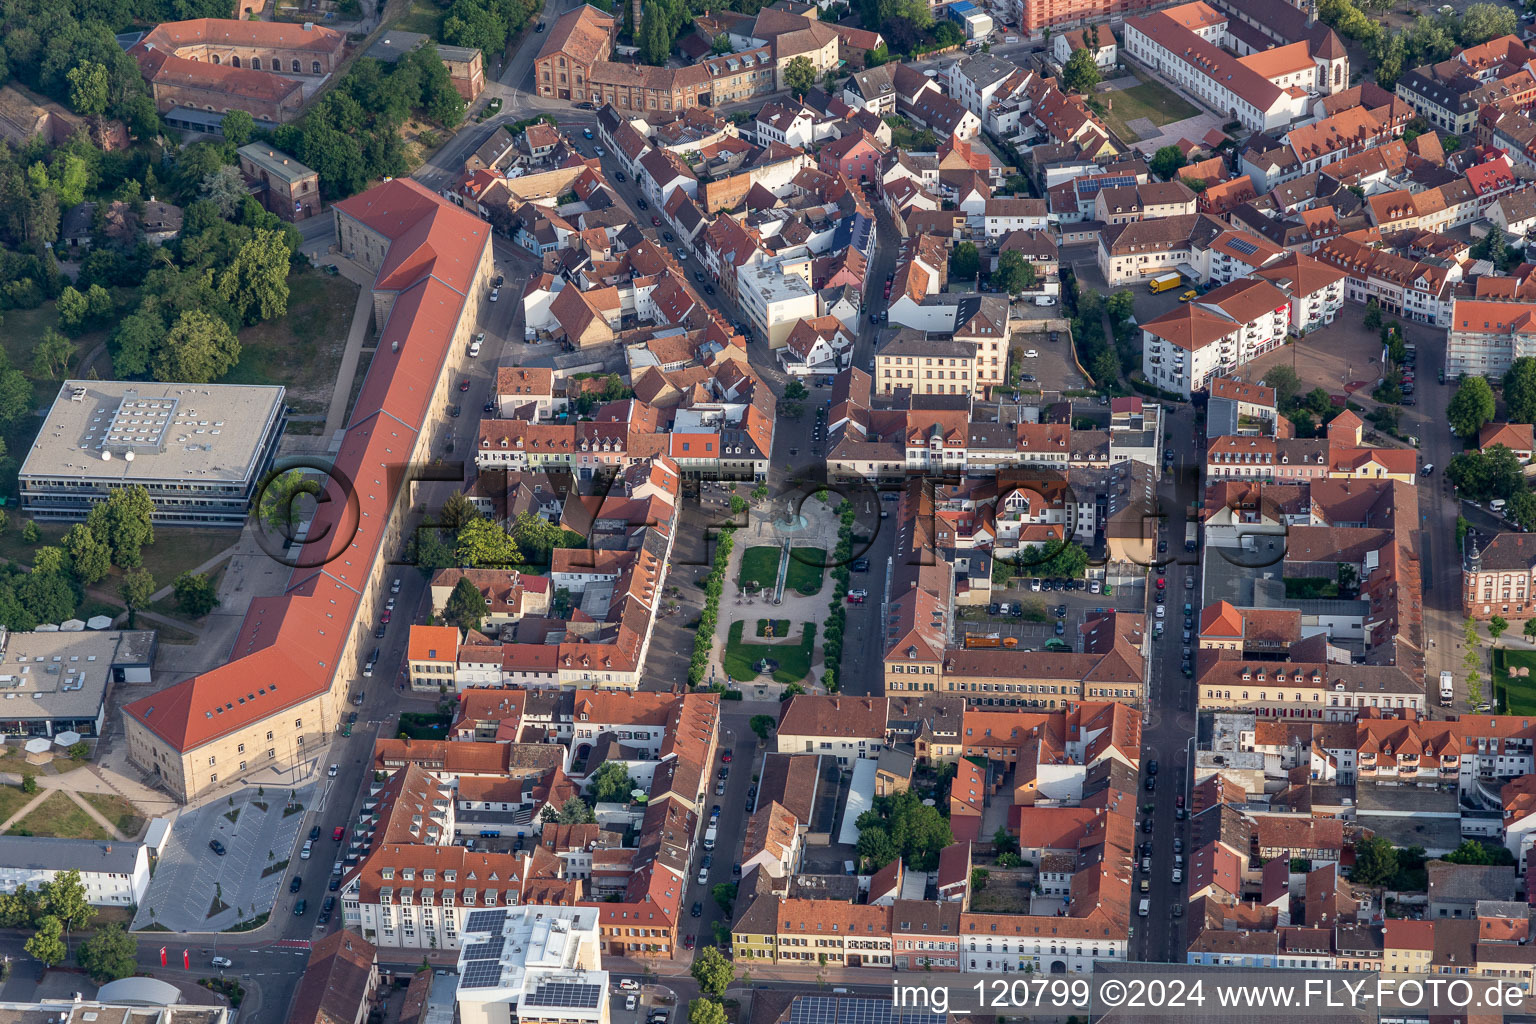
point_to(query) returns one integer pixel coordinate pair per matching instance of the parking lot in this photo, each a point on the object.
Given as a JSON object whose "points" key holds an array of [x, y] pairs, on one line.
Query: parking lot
{"points": [[1079, 605], [1051, 365], [190, 877]]}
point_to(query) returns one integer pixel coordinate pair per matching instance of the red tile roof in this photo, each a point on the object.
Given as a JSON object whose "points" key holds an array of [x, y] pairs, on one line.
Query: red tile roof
{"points": [[289, 648]]}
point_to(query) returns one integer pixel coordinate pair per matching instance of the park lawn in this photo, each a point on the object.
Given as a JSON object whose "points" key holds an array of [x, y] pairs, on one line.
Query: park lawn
{"points": [[302, 349], [760, 566], [1151, 100], [117, 810], [24, 329], [794, 659], [167, 605], [176, 549], [423, 17], [61, 817], [12, 799], [806, 567], [1514, 696]]}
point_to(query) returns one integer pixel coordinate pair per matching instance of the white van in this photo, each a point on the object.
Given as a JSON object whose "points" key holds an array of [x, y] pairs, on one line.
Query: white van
{"points": [[709, 838], [1496, 505], [1145, 908]]}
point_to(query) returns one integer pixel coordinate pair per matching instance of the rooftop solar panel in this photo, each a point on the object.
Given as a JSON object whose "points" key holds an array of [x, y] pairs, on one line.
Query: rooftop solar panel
{"points": [[1243, 246], [490, 950], [485, 921], [563, 993], [481, 974]]}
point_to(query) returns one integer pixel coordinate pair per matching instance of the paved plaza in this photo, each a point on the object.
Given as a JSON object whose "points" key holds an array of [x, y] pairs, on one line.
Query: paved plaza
{"points": [[190, 876]]}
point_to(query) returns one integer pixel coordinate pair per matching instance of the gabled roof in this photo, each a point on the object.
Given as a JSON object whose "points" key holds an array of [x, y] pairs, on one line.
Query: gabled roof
{"points": [[289, 648]]}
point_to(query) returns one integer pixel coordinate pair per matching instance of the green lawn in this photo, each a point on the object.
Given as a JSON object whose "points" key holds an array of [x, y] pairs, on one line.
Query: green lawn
{"points": [[794, 659], [59, 816], [760, 566], [1514, 696], [117, 810], [12, 799], [806, 567], [425, 727], [1151, 100], [423, 17], [1310, 587], [302, 350]]}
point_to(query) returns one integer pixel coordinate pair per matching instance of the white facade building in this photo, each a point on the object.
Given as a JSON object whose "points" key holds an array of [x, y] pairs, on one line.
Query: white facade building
{"points": [[532, 963]]}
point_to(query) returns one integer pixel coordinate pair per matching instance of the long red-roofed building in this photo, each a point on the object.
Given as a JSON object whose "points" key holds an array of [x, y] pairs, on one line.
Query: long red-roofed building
{"points": [[285, 684]]}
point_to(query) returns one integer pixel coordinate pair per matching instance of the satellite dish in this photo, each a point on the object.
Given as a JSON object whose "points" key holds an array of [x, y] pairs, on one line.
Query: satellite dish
{"points": [[106, 456], [128, 456]]}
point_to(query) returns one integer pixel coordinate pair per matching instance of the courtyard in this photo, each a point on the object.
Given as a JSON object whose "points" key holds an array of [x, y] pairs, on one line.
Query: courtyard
{"points": [[753, 627]]}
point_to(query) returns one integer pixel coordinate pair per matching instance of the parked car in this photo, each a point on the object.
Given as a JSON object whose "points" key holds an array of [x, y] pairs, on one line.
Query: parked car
{"points": [[216, 846]]}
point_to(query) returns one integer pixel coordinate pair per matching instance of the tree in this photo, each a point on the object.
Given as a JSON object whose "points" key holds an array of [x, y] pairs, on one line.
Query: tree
{"points": [[89, 88], [195, 594], [713, 972], [485, 545], [287, 498], [198, 349], [72, 309], [611, 784], [125, 521], [47, 943], [947, 33], [1004, 841], [224, 188], [795, 391], [1014, 273], [1471, 407], [1375, 861], [721, 44], [1482, 22], [764, 724], [256, 284], [655, 35], [536, 536], [466, 607], [901, 825], [90, 558], [1520, 390], [706, 1011], [51, 357], [879, 55], [1166, 161], [1496, 626], [576, 812], [137, 587], [1530, 629], [1372, 315], [108, 955], [799, 75], [238, 126], [1081, 73], [1472, 851], [964, 262], [1494, 472]]}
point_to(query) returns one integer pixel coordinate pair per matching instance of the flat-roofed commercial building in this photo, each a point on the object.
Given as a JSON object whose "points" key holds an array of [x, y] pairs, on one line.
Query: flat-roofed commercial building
{"points": [[53, 682], [200, 450]]}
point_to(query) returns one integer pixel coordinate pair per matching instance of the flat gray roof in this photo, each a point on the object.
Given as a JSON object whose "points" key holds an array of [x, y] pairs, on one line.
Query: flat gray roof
{"points": [[40, 853], [275, 162], [50, 675], [394, 45], [194, 433]]}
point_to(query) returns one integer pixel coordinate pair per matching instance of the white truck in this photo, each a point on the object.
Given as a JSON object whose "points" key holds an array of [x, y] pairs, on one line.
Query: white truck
{"points": [[1447, 689]]}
